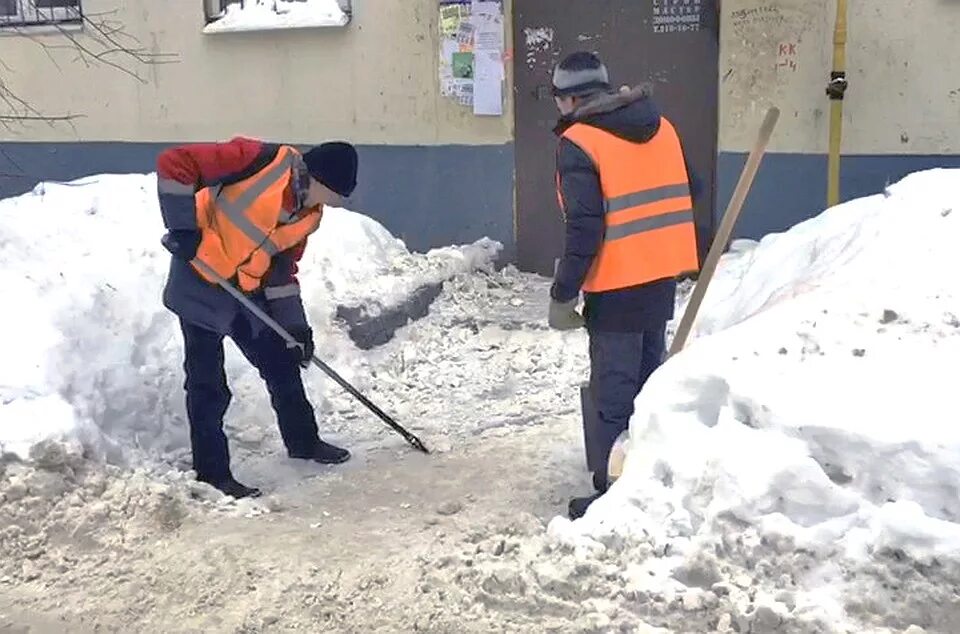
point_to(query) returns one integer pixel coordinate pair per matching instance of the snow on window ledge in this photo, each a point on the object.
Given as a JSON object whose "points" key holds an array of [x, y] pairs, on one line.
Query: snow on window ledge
{"points": [[269, 15]]}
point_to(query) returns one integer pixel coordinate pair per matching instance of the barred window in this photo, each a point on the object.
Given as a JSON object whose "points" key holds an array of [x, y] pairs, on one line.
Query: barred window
{"points": [[15, 13]]}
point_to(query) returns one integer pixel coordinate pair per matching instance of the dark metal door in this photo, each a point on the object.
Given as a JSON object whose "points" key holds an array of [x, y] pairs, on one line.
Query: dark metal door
{"points": [[672, 44]]}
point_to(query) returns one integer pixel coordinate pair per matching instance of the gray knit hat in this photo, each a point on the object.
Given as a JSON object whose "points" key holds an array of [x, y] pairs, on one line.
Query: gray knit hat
{"points": [[580, 74]]}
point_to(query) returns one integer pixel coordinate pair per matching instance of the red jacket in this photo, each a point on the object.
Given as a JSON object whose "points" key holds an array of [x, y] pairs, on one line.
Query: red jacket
{"points": [[199, 165]]}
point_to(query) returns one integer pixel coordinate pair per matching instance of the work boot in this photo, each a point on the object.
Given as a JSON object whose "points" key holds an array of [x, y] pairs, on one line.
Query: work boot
{"points": [[325, 453], [578, 506], [600, 481], [234, 489]]}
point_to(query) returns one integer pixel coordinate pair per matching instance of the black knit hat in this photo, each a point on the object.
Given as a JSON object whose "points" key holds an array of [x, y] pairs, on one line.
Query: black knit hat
{"points": [[335, 165]]}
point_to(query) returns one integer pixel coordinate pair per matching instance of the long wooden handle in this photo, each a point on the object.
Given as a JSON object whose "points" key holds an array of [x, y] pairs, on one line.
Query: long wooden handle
{"points": [[720, 241]]}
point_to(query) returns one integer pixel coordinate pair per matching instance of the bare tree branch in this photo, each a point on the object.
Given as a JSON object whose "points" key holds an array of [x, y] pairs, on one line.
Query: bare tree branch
{"points": [[100, 40], [47, 118], [105, 36]]}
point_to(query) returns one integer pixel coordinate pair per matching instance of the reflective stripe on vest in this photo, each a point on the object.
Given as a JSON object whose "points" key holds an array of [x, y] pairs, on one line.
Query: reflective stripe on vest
{"points": [[236, 210], [281, 292], [646, 197], [243, 225], [170, 186], [649, 231]]}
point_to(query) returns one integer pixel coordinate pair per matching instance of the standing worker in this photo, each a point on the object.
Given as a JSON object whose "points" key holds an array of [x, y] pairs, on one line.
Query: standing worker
{"points": [[244, 209], [625, 191]]}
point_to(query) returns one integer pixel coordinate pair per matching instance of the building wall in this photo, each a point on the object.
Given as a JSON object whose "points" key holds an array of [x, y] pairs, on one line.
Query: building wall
{"points": [[430, 170], [901, 112]]}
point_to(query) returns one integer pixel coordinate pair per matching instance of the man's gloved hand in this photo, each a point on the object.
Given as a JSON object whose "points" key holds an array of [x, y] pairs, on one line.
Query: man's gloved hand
{"points": [[564, 315], [182, 244], [303, 335]]}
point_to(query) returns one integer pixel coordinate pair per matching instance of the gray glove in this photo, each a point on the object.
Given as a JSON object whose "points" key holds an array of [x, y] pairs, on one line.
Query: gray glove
{"points": [[564, 316]]}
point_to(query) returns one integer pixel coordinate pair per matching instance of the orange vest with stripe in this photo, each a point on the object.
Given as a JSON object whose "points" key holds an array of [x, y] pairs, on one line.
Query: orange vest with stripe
{"points": [[649, 231], [243, 225]]}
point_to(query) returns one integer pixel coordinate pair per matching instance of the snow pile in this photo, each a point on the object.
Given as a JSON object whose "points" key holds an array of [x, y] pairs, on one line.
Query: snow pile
{"points": [[92, 354], [807, 439], [363, 263], [262, 15]]}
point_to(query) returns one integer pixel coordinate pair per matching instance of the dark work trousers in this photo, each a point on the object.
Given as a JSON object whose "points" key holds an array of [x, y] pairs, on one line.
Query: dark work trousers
{"points": [[208, 395], [620, 364]]}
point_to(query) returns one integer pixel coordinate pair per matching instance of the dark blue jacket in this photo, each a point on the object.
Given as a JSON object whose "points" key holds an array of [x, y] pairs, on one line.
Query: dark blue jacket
{"points": [[632, 116]]}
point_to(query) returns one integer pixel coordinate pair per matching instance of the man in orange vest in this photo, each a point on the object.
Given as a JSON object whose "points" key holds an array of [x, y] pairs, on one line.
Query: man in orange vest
{"points": [[625, 192], [244, 209]]}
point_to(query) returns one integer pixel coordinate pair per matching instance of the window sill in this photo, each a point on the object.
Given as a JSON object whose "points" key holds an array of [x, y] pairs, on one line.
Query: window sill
{"points": [[9, 30], [279, 22]]}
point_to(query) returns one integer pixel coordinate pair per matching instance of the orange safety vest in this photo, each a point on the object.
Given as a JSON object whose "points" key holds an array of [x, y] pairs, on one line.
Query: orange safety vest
{"points": [[648, 211], [243, 225]]}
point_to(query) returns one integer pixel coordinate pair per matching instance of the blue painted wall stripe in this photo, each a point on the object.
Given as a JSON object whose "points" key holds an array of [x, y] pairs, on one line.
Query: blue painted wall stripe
{"points": [[429, 196], [790, 188], [432, 196]]}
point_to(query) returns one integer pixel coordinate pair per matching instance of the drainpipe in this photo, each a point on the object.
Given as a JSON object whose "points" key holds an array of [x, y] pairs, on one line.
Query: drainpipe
{"points": [[835, 90]]}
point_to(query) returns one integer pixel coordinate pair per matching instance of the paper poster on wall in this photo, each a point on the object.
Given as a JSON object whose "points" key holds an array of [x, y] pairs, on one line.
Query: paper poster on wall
{"points": [[676, 16], [463, 65], [488, 59], [465, 94], [471, 66], [448, 48], [486, 8], [450, 18], [465, 35], [488, 85], [453, 13]]}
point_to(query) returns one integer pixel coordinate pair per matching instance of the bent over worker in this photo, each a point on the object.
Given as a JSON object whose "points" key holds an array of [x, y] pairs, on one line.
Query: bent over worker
{"points": [[244, 209], [625, 192]]}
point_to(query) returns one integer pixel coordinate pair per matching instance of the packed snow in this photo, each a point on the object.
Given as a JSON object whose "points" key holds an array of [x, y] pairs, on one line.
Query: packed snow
{"points": [[814, 411], [93, 355], [91, 511], [264, 15], [794, 469]]}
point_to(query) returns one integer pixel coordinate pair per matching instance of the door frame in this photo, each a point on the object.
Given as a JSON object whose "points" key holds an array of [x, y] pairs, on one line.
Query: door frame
{"points": [[707, 225]]}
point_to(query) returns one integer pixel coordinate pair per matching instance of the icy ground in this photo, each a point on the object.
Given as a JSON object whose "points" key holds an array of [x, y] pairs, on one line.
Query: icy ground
{"points": [[101, 528], [772, 485]]}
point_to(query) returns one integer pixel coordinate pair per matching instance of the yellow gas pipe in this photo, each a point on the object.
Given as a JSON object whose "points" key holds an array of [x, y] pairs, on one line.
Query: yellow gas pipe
{"points": [[835, 90]]}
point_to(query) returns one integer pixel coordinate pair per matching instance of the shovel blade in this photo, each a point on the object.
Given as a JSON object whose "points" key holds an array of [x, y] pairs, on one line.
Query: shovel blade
{"points": [[595, 447]]}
